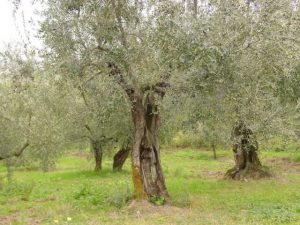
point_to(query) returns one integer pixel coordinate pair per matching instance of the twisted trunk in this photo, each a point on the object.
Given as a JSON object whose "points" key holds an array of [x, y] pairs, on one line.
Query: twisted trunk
{"points": [[147, 172], [247, 163], [120, 158], [97, 151]]}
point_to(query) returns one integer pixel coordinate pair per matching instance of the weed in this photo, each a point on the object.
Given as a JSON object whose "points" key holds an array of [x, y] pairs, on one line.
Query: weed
{"points": [[157, 200], [119, 197], [182, 199]]}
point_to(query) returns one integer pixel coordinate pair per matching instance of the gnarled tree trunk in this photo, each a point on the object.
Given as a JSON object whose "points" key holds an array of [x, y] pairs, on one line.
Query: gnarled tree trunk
{"points": [[147, 172], [247, 163], [120, 157], [97, 151]]}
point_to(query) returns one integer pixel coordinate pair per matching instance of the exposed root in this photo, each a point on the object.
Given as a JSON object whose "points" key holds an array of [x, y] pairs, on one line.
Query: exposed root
{"points": [[250, 172]]}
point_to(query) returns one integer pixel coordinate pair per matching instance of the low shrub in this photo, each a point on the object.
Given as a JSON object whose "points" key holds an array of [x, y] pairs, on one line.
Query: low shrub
{"points": [[114, 197], [119, 197]]}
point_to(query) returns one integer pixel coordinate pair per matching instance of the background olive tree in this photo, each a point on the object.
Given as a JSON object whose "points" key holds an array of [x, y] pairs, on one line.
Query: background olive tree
{"points": [[32, 111]]}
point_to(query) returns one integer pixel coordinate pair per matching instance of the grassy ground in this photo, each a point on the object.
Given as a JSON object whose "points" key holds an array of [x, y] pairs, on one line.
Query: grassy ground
{"points": [[73, 194]]}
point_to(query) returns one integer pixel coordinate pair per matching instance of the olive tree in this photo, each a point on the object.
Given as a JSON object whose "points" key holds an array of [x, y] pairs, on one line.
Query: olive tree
{"points": [[137, 46], [255, 45], [98, 113], [15, 114], [32, 110]]}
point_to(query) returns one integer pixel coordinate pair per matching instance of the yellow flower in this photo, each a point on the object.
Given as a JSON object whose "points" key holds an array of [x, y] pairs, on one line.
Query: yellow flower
{"points": [[69, 218]]}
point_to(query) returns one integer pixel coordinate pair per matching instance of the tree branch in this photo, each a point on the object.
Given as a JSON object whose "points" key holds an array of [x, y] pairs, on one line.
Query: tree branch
{"points": [[16, 154], [89, 129], [116, 73], [83, 96]]}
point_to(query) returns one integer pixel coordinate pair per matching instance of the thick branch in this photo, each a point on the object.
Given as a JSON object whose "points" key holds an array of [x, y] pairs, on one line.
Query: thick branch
{"points": [[16, 154], [89, 129], [116, 4], [116, 73]]}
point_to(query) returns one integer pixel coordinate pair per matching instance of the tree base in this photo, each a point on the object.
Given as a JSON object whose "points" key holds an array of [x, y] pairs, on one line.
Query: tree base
{"points": [[250, 172], [97, 169]]}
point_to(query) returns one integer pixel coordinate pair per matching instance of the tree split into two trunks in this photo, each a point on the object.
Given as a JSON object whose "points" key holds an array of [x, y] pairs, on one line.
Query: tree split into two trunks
{"points": [[146, 164], [247, 163], [147, 174]]}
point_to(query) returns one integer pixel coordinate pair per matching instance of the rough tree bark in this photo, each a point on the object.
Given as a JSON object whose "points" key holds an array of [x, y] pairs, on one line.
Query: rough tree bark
{"points": [[247, 163], [147, 174], [120, 157], [97, 151]]}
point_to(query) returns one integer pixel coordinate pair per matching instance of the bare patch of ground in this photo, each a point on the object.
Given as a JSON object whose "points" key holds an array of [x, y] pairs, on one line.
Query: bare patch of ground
{"points": [[284, 164], [11, 219], [8, 219], [33, 222], [141, 212], [144, 207], [213, 174], [226, 159], [145, 213]]}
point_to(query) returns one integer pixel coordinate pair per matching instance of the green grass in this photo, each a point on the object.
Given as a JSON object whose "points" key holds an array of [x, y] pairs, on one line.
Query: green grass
{"points": [[74, 194]]}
